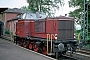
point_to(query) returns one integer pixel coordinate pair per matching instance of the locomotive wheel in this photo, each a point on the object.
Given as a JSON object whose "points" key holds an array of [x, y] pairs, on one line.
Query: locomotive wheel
{"points": [[30, 46], [20, 43], [35, 47], [44, 50], [24, 44]]}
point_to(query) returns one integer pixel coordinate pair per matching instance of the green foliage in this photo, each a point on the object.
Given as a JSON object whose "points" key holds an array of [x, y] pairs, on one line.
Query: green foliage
{"points": [[87, 46], [78, 13], [76, 3], [25, 8], [46, 6], [6, 31], [11, 33], [76, 32]]}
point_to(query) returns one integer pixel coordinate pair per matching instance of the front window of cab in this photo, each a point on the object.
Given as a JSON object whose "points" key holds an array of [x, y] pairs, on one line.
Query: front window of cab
{"points": [[23, 16], [37, 15], [31, 16], [28, 16]]}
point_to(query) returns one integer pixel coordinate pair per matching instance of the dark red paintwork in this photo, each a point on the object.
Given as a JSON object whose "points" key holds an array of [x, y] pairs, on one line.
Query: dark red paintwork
{"points": [[42, 27], [49, 27], [24, 28]]}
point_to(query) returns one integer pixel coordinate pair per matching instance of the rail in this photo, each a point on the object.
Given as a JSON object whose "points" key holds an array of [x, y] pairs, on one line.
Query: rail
{"points": [[84, 51]]}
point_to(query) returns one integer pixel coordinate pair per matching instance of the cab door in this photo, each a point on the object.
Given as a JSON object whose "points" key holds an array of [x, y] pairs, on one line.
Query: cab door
{"points": [[51, 26]]}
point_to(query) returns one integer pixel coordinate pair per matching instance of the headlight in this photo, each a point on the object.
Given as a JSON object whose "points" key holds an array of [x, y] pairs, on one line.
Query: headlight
{"points": [[61, 46]]}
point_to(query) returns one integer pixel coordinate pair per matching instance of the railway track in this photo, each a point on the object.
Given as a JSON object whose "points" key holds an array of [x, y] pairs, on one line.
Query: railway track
{"points": [[67, 57], [82, 54], [84, 51], [74, 56]]}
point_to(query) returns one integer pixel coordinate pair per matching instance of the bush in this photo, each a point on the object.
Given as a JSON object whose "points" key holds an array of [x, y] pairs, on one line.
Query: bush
{"points": [[6, 31]]}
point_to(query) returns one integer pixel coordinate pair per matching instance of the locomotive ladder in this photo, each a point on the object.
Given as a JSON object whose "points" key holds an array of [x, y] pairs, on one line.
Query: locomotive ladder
{"points": [[49, 38]]}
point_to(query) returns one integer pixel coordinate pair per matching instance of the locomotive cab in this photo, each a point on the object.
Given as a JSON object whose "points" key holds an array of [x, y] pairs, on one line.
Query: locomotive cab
{"points": [[25, 21]]}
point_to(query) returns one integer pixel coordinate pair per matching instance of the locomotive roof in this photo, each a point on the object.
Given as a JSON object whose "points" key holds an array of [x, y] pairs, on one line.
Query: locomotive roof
{"points": [[62, 17], [30, 16], [38, 16], [58, 18]]}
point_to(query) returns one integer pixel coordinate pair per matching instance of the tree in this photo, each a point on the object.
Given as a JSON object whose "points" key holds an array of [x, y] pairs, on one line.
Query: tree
{"points": [[78, 12], [25, 8], [46, 6]]}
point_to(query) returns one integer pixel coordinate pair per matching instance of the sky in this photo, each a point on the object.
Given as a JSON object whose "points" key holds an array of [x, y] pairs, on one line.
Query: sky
{"points": [[20, 3], [65, 10], [13, 3]]}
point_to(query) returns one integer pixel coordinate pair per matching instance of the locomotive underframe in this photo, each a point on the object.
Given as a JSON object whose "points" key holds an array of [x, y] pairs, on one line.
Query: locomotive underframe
{"points": [[59, 47]]}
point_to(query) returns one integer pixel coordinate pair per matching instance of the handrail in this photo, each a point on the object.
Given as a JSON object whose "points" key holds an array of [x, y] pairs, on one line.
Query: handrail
{"points": [[48, 38], [51, 44], [54, 36]]}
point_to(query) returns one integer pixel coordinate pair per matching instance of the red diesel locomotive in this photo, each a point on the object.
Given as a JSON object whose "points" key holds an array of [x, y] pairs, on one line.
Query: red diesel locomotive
{"points": [[46, 35]]}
